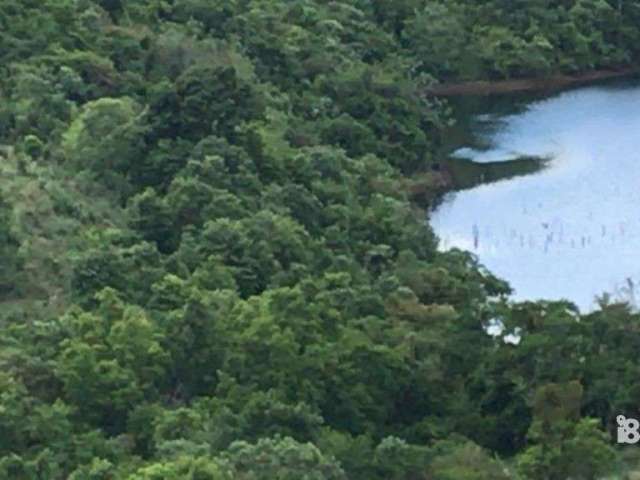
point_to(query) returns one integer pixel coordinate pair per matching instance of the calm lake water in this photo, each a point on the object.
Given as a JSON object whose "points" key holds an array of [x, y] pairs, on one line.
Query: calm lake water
{"points": [[572, 230]]}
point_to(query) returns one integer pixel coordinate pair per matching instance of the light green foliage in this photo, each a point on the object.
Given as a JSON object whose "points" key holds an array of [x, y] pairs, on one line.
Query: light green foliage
{"points": [[111, 359], [467, 461], [211, 267], [185, 468], [107, 136], [282, 458], [563, 446]]}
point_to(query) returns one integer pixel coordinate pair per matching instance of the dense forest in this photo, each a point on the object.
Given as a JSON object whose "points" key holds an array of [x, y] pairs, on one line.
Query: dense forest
{"points": [[215, 261]]}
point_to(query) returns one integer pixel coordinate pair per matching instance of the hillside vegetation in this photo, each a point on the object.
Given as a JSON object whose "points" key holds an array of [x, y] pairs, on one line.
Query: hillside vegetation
{"points": [[213, 264]]}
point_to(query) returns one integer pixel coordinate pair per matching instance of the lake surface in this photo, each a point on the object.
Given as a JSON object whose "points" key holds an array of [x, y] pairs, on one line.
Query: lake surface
{"points": [[572, 230]]}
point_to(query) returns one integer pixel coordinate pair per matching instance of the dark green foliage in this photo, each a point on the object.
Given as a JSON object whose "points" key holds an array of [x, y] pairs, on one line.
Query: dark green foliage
{"points": [[10, 262], [211, 268], [213, 101]]}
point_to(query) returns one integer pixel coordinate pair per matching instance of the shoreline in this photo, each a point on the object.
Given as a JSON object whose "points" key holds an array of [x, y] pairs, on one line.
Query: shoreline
{"points": [[553, 82]]}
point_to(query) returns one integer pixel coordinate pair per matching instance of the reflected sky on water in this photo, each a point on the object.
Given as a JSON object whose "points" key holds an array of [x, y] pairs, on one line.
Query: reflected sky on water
{"points": [[571, 231]]}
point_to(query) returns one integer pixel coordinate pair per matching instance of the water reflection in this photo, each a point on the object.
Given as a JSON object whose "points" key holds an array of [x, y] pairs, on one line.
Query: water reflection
{"points": [[572, 230]]}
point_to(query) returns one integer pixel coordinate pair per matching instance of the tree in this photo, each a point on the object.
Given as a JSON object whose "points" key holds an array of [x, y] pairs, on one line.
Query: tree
{"points": [[184, 468], [10, 261], [465, 461], [214, 101], [564, 445], [151, 216], [107, 138], [440, 41], [110, 360], [281, 458]]}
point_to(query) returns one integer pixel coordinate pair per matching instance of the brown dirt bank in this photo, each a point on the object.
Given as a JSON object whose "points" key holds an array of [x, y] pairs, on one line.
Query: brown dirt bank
{"points": [[553, 82]]}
